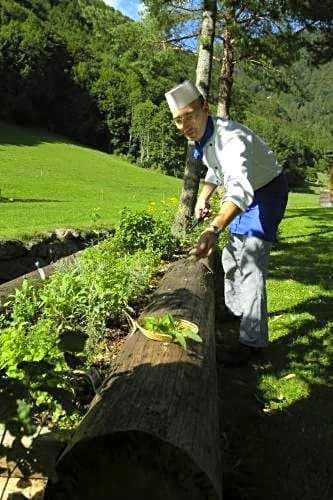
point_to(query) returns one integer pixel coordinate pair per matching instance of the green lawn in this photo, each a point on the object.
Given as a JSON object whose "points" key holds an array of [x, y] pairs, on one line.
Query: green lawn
{"points": [[46, 183], [277, 413]]}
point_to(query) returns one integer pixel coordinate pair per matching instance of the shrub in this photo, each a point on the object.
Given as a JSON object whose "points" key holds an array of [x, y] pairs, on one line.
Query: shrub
{"points": [[139, 230]]}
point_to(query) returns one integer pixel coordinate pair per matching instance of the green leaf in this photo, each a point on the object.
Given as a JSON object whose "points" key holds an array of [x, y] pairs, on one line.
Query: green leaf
{"points": [[24, 416], [150, 323], [7, 406], [160, 324], [35, 368], [180, 338], [73, 361], [62, 396], [192, 335], [72, 341]]}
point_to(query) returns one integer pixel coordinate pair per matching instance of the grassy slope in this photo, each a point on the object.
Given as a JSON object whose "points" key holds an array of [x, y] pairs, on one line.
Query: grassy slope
{"points": [[277, 412], [54, 183]]}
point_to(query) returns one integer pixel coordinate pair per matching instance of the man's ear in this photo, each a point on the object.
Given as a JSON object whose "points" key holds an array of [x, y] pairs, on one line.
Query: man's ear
{"points": [[205, 106]]}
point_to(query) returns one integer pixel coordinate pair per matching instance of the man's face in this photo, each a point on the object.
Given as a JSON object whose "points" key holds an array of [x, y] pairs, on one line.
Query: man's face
{"points": [[191, 120]]}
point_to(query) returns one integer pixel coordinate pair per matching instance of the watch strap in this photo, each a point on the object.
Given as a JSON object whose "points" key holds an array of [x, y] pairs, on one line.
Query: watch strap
{"points": [[214, 229]]}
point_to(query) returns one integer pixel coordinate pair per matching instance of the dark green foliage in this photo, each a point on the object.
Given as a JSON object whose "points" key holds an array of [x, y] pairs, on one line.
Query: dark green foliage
{"points": [[79, 68], [298, 125], [290, 147], [71, 341], [37, 85], [161, 146], [84, 70]]}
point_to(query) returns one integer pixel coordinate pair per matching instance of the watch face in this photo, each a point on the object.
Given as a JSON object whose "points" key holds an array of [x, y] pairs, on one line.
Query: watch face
{"points": [[215, 230]]}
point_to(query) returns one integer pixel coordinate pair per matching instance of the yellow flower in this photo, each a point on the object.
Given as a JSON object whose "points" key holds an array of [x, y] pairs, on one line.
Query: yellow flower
{"points": [[151, 207], [173, 200]]}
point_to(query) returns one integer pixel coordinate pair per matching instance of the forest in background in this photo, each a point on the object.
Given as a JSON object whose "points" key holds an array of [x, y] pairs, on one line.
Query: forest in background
{"points": [[82, 69]]}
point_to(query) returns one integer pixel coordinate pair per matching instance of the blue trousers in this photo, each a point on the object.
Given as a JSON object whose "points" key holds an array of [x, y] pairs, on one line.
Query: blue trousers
{"points": [[245, 260]]}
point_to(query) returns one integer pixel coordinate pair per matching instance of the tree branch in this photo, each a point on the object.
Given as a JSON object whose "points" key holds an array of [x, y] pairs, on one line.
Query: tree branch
{"points": [[178, 39], [184, 9]]}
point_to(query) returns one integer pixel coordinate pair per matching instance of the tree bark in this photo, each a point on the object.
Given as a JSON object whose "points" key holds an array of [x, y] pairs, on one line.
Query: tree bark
{"points": [[193, 167], [205, 55], [226, 73], [153, 431], [189, 192]]}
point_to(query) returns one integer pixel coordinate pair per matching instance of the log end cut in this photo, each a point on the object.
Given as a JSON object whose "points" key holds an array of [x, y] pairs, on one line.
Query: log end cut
{"points": [[131, 465]]}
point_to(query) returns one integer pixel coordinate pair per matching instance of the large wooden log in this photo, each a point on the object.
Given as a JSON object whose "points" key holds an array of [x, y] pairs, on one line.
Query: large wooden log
{"points": [[153, 430]]}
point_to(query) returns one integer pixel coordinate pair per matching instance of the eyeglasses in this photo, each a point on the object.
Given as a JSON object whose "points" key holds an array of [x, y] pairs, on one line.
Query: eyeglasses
{"points": [[188, 117]]}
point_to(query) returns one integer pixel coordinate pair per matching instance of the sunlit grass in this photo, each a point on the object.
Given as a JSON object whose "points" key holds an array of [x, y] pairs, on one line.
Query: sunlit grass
{"points": [[47, 183], [300, 301]]}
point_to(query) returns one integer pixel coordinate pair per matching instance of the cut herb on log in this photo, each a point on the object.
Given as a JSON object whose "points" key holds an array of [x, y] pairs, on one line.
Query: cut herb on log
{"points": [[169, 329]]}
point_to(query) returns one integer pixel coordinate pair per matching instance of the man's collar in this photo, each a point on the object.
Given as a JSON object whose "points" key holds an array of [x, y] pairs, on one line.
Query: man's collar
{"points": [[198, 149]]}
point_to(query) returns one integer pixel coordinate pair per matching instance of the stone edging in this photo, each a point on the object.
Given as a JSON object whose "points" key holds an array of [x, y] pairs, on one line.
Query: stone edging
{"points": [[18, 258]]}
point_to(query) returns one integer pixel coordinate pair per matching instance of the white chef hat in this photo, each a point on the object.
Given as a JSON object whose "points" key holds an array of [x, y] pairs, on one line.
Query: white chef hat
{"points": [[181, 95]]}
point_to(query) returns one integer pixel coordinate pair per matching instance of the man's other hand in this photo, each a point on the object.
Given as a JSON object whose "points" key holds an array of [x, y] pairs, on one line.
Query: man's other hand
{"points": [[205, 245], [202, 209]]}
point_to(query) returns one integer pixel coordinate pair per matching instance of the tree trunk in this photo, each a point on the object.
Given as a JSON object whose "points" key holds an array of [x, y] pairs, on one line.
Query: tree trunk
{"points": [[227, 69], [153, 430], [193, 167], [142, 151], [205, 55], [189, 192]]}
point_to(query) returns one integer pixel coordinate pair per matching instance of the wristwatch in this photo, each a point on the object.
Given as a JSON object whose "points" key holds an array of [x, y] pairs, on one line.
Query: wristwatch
{"points": [[214, 229]]}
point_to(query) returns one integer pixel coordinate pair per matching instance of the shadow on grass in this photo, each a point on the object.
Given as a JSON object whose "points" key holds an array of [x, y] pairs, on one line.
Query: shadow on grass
{"points": [[28, 200], [16, 135], [320, 214], [307, 187], [287, 454], [306, 258]]}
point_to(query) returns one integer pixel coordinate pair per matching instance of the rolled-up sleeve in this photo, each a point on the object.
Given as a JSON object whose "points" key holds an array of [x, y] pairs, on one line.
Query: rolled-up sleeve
{"points": [[235, 159], [211, 177]]}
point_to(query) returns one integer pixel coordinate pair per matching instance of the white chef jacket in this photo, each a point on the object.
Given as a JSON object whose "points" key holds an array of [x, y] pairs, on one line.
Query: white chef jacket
{"points": [[239, 160]]}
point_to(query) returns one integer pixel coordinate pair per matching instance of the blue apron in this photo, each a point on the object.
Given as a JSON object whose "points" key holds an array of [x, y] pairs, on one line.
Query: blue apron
{"points": [[263, 216]]}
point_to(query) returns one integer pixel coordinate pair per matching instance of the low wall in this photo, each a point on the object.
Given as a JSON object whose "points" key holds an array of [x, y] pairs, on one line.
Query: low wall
{"points": [[18, 258]]}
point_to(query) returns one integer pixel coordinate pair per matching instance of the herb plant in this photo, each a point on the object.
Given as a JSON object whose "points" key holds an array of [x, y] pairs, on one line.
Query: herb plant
{"points": [[171, 327]]}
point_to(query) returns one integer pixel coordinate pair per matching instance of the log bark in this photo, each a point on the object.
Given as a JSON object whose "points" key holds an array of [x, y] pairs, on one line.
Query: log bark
{"points": [[153, 430]]}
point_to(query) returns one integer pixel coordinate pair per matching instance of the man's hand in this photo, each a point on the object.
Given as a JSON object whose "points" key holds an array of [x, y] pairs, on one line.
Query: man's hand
{"points": [[202, 209], [205, 245]]}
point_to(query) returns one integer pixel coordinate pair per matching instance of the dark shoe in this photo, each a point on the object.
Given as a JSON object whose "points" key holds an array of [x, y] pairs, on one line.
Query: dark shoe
{"points": [[238, 355]]}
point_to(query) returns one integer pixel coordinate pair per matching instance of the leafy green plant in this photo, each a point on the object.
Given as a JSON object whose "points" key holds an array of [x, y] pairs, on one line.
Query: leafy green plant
{"points": [[59, 327], [139, 230], [53, 329], [173, 328]]}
